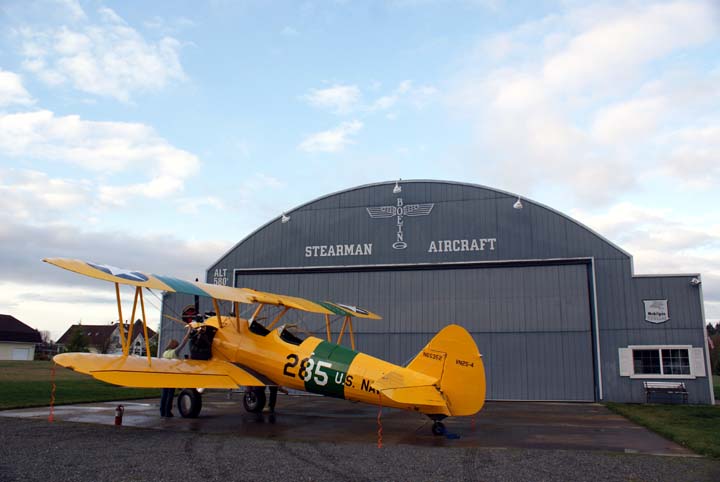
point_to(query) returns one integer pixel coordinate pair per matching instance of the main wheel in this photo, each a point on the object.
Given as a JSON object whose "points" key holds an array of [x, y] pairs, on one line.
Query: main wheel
{"points": [[189, 403], [254, 399], [438, 428]]}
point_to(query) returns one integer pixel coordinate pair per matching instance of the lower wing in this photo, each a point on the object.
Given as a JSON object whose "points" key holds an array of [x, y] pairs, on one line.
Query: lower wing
{"points": [[134, 371]]}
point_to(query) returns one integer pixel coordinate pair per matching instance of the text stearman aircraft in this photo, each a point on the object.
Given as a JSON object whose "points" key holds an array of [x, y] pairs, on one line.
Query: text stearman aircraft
{"points": [[446, 378]]}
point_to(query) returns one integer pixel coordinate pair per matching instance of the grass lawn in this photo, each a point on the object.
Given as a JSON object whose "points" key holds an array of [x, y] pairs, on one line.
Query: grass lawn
{"points": [[28, 384], [695, 427]]}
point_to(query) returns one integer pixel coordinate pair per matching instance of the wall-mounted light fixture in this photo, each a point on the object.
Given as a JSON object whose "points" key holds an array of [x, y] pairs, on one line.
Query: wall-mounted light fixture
{"points": [[397, 189], [695, 282], [518, 204], [285, 218]]}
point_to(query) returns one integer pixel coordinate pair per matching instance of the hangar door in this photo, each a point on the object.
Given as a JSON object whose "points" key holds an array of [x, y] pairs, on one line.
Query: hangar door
{"points": [[532, 324]]}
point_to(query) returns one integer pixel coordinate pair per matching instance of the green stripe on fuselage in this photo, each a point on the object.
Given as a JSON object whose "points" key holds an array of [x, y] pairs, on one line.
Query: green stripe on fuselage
{"points": [[331, 361]]}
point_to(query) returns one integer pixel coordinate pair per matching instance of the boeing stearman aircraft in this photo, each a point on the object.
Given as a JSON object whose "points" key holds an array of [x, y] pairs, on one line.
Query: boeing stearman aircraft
{"points": [[446, 378]]}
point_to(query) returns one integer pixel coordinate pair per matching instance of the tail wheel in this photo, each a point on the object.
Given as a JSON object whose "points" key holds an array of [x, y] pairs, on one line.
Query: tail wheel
{"points": [[438, 428], [189, 403], [254, 399]]}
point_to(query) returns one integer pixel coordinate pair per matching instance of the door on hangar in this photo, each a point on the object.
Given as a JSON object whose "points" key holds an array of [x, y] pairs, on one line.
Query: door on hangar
{"points": [[532, 324]]}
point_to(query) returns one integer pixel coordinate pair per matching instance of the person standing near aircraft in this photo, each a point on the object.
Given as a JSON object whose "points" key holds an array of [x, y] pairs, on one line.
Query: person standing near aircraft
{"points": [[168, 394], [273, 397]]}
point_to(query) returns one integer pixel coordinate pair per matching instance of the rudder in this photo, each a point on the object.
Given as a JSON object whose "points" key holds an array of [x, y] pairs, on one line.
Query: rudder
{"points": [[453, 357]]}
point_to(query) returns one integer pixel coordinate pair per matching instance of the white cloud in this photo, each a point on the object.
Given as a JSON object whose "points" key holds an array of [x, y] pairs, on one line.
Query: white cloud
{"points": [[55, 308], [108, 58], [26, 277], [196, 205], [34, 195], [628, 120], [611, 49], [167, 26], [346, 99], [664, 241], [333, 140], [694, 156], [661, 228], [485, 4], [586, 99], [73, 9], [12, 91], [260, 182], [102, 147], [289, 32], [340, 99]]}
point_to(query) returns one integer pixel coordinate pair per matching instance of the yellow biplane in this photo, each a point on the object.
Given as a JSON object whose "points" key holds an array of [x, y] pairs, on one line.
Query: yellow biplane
{"points": [[446, 378]]}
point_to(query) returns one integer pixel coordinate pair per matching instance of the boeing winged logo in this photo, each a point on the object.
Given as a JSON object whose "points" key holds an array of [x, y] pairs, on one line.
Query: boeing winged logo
{"points": [[400, 211]]}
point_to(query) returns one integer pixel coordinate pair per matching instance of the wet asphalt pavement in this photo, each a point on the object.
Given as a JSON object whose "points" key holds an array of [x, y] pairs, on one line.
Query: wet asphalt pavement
{"points": [[332, 440]]}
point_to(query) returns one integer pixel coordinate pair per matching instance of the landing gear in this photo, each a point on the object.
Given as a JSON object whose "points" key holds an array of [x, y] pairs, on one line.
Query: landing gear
{"points": [[254, 399], [189, 403], [438, 428]]}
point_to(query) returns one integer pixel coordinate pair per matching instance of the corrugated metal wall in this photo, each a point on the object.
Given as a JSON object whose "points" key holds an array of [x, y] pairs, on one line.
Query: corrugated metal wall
{"points": [[514, 309]]}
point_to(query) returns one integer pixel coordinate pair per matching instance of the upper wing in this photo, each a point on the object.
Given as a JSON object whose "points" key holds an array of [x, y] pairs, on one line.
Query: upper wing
{"points": [[167, 283], [345, 310], [382, 211], [135, 371], [323, 307], [152, 281]]}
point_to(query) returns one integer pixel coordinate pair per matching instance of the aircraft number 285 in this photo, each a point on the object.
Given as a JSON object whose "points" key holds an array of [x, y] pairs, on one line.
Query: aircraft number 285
{"points": [[306, 368]]}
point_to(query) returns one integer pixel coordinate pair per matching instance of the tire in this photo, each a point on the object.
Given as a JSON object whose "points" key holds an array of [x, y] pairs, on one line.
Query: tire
{"points": [[189, 403], [254, 399], [438, 429]]}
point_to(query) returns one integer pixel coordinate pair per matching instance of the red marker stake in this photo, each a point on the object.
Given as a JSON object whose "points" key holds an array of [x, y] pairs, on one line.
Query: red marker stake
{"points": [[379, 420]]}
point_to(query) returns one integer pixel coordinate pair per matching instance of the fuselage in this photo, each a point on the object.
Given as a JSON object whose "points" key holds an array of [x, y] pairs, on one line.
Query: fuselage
{"points": [[313, 365]]}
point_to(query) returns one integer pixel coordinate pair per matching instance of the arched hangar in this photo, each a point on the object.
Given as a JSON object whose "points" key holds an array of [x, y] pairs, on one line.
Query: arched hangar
{"points": [[554, 307]]}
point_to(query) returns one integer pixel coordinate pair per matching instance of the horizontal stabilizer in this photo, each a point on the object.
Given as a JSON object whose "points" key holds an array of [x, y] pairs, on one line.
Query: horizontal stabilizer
{"points": [[416, 396], [407, 386], [403, 378], [134, 371]]}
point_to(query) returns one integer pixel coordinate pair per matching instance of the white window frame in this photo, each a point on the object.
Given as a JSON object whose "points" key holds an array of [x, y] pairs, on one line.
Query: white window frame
{"points": [[689, 348]]}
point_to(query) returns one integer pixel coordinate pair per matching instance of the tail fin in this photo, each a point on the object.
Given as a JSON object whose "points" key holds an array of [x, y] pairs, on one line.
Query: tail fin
{"points": [[453, 357]]}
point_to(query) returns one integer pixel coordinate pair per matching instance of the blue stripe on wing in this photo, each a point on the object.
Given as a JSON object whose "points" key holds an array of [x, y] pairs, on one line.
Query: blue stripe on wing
{"points": [[181, 286]]}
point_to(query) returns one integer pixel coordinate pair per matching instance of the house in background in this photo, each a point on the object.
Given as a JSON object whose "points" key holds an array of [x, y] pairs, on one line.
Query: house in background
{"points": [[106, 338], [17, 340]]}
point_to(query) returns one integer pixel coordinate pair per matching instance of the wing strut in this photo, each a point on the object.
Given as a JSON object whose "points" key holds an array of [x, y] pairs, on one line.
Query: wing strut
{"points": [[120, 318], [132, 321], [277, 318], [342, 331], [327, 327], [125, 341], [352, 335], [257, 311], [147, 340], [217, 307], [347, 322]]}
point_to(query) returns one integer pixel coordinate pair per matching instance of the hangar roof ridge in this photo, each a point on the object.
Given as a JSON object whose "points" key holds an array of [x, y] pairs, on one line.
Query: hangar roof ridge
{"points": [[435, 181]]}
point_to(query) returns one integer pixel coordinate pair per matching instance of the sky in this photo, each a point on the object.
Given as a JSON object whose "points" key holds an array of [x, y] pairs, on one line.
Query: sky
{"points": [[156, 135]]}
